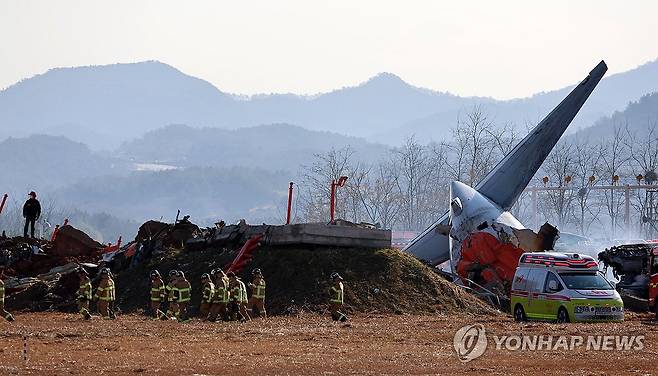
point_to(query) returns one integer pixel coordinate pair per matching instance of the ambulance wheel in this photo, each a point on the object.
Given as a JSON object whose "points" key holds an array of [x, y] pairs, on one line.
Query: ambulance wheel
{"points": [[655, 308], [562, 315], [519, 313]]}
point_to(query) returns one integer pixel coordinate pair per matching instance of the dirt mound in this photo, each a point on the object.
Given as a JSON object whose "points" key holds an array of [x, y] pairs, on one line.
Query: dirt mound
{"points": [[384, 280], [387, 281]]}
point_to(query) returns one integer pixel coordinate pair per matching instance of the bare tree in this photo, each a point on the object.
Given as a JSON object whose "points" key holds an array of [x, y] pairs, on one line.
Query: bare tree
{"points": [[614, 156], [436, 188], [586, 163], [643, 154], [478, 145], [352, 202], [380, 196], [505, 138], [414, 170], [559, 167], [475, 145]]}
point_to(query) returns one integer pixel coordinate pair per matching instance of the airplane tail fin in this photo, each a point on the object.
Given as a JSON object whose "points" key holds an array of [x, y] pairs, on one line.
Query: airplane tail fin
{"points": [[504, 184]]}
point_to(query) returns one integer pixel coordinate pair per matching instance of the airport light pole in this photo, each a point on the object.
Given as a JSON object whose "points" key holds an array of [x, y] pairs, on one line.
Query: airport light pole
{"points": [[334, 185], [289, 203]]}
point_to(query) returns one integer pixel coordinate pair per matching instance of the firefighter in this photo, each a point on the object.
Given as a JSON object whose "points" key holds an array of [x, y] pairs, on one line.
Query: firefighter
{"points": [[158, 295], [105, 295], [237, 298], [243, 299], [221, 297], [207, 297], [84, 293], [256, 304], [113, 298], [336, 293], [172, 306], [183, 292], [4, 313]]}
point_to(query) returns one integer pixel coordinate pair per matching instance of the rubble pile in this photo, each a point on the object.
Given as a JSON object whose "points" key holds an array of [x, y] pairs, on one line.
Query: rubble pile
{"points": [[39, 273], [376, 280], [18, 254], [29, 257], [161, 234], [49, 291]]}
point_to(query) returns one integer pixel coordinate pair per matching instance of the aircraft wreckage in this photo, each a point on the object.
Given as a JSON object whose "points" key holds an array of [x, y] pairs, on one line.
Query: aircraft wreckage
{"points": [[478, 234]]}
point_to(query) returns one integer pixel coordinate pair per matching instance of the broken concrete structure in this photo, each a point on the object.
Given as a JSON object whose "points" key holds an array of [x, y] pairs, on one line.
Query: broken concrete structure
{"points": [[301, 234]]}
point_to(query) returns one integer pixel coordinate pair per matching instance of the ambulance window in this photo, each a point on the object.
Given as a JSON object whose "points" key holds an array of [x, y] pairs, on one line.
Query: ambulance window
{"points": [[585, 281], [520, 280], [536, 280], [552, 277], [654, 265]]}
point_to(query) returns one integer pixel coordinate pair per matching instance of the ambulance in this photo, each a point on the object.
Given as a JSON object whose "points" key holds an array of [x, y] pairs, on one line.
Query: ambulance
{"points": [[563, 287]]}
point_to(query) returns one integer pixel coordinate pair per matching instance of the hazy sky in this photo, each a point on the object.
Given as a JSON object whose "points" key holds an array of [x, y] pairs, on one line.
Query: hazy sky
{"points": [[495, 48]]}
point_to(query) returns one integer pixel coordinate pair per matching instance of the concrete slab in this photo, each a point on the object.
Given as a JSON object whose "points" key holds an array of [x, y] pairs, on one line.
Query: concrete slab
{"points": [[328, 235], [312, 234]]}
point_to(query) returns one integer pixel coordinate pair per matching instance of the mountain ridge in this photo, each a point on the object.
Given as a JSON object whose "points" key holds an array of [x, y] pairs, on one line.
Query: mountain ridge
{"points": [[104, 106]]}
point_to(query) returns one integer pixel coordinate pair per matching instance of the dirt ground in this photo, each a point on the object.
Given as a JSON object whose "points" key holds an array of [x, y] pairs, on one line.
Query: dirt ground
{"points": [[63, 344]]}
